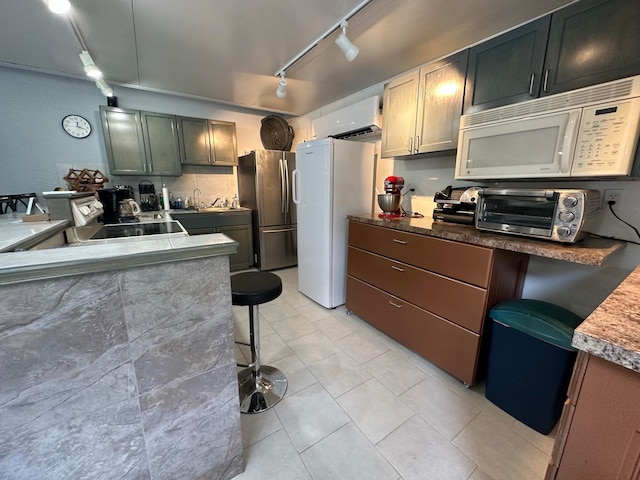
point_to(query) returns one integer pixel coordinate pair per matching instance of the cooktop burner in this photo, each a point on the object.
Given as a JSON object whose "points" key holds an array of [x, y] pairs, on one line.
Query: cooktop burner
{"points": [[137, 229]]}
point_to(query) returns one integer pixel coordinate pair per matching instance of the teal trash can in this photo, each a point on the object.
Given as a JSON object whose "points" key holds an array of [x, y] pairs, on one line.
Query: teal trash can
{"points": [[530, 360]]}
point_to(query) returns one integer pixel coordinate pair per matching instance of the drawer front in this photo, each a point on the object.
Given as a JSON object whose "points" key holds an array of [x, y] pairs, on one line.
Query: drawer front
{"points": [[447, 345], [468, 263], [458, 302]]}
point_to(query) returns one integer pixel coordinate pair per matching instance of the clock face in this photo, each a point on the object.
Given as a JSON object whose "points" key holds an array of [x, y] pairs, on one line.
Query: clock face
{"points": [[76, 126]]}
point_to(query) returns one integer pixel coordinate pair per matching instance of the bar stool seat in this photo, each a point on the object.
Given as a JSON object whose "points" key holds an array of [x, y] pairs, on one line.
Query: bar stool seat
{"points": [[260, 386]]}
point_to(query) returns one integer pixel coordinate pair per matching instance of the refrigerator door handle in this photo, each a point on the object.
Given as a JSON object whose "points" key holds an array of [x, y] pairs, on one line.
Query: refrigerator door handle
{"points": [[287, 187], [294, 186], [282, 192]]}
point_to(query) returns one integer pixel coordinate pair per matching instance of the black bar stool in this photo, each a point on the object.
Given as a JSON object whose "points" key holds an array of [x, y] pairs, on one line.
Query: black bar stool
{"points": [[260, 386]]}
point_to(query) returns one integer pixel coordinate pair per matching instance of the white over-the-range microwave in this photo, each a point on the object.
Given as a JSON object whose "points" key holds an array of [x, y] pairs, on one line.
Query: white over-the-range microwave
{"points": [[591, 132]]}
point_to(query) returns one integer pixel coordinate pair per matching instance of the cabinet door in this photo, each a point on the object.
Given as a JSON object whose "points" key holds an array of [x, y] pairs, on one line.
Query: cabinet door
{"points": [[590, 42], [440, 94], [123, 141], [243, 258], [194, 141], [507, 69], [400, 105], [223, 143], [161, 143]]}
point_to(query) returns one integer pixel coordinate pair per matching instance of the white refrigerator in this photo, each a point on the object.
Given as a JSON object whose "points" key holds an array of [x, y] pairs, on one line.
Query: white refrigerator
{"points": [[333, 179]]}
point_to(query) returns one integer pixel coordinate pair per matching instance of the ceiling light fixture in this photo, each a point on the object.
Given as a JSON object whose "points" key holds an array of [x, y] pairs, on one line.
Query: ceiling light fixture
{"points": [[349, 49], [58, 6], [89, 65], [281, 91], [104, 87]]}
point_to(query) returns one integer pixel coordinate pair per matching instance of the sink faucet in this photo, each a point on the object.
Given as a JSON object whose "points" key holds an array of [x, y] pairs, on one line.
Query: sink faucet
{"points": [[195, 200]]}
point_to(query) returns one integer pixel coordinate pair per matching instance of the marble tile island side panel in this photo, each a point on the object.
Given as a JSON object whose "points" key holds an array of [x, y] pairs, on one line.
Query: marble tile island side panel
{"points": [[120, 375]]}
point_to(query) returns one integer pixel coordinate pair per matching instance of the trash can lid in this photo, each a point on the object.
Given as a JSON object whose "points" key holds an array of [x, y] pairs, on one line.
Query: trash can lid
{"points": [[544, 321]]}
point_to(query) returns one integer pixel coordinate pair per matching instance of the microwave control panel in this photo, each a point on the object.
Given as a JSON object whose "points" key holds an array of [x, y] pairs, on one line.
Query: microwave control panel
{"points": [[607, 138]]}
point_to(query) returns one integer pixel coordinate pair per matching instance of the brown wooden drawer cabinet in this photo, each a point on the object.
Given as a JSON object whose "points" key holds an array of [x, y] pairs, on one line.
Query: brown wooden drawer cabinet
{"points": [[431, 295]]}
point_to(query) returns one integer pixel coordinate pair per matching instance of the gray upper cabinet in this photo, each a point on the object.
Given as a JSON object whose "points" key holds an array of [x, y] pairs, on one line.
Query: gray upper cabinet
{"points": [[160, 134], [507, 69], [207, 142], [583, 44], [140, 143], [423, 107], [591, 42], [123, 140]]}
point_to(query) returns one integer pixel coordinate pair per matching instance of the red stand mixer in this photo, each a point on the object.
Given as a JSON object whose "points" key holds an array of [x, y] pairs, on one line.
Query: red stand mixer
{"points": [[390, 202]]}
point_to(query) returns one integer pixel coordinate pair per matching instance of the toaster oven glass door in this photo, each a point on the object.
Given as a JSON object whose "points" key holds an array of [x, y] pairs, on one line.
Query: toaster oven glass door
{"points": [[527, 214]]}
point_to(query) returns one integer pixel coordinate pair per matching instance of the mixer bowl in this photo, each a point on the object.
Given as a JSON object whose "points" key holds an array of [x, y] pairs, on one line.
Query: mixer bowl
{"points": [[389, 202]]}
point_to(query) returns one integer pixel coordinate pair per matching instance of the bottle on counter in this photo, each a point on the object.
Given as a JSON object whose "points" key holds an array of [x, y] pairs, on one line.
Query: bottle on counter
{"points": [[234, 201], [179, 202], [187, 202]]}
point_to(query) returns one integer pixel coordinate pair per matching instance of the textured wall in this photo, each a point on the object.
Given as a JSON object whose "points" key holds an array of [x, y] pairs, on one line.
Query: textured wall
{"points": [[120, 375]]}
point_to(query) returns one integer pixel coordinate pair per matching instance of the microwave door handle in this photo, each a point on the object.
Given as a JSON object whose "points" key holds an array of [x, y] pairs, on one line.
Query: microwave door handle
{"points": [[506, 192], [569, 140]]}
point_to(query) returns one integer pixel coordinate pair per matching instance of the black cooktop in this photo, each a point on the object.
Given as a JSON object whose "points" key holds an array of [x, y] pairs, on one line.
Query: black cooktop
{"points": [[137, 229]]}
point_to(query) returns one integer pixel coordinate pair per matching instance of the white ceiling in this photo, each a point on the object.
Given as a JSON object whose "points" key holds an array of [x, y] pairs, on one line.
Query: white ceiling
{"points": [[229, 50]]}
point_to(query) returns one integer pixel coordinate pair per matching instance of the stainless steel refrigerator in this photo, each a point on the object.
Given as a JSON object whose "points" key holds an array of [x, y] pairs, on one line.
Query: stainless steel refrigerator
{"points": [[264, 185]]}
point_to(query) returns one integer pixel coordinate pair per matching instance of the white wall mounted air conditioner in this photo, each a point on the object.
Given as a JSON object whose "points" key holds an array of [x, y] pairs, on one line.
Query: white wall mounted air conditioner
{"points": [[362, 119]]}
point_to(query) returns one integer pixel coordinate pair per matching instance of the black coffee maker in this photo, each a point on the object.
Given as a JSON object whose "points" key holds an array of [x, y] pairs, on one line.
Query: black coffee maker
{"points": [[148, 198], [109, 197]]}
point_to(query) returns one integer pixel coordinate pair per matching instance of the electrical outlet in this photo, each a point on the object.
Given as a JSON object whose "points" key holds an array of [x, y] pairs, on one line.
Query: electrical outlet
{"points": [[612, 195]]}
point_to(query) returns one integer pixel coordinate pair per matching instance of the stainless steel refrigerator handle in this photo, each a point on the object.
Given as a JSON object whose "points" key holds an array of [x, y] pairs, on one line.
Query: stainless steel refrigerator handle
{"points": [[281, 230], [282, 194], [287, 189]]}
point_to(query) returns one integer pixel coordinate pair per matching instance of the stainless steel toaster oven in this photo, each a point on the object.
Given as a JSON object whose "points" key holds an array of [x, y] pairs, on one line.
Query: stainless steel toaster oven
{"points": [[563, 215]]}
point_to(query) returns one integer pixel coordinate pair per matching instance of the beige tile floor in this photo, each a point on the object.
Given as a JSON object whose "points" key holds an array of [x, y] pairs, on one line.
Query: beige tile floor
{"points": [[361, 406]]}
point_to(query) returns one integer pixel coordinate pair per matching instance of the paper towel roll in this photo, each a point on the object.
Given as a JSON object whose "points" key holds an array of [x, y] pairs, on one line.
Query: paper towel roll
{"points": [[165, 198]]}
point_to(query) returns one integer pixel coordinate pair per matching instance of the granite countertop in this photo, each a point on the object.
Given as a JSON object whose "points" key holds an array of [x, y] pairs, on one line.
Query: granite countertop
{"points": [[590, 251], [612, 331], [14, 233]]}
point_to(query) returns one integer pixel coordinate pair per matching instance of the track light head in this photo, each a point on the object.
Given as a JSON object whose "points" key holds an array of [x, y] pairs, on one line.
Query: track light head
{"points": [[58, 6], [349, 49], [281, 91], [89, 66], [104, 87]]}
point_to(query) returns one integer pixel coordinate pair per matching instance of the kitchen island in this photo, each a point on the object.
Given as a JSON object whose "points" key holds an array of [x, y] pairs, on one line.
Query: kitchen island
{"points": [[117, 361]]}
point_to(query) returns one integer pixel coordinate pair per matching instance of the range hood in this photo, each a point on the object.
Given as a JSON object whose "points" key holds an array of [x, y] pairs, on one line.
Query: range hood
{"points": [[362, 119]]}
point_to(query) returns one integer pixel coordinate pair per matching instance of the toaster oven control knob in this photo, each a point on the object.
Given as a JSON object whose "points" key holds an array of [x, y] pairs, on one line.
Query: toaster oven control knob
{"points": [[570, 201], [564, 232], [566, 216]]}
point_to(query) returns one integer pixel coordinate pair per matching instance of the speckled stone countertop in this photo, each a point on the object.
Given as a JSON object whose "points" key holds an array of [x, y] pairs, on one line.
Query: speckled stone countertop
{"points": [[590, 251], [612, 331]]}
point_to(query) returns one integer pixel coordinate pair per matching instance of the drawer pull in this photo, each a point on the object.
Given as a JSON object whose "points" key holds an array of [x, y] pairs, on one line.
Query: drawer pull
{"points": [[397, 268], [394, 304], [399, 241]]}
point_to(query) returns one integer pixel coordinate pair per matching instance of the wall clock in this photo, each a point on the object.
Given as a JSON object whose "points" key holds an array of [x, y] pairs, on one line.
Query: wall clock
{"points": [[76, 126]]}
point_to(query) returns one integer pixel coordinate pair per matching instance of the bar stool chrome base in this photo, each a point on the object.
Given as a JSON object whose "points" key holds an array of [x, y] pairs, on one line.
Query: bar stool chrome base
{"points": [[262, 392]]}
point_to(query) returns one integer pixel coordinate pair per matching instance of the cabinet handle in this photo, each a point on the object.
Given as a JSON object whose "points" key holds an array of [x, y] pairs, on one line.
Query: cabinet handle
{"points": [[394, 304], [397, 268], [546, 81], [417, 145], [410, 144], [144, 167], [533, 76], [399, 241]]}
